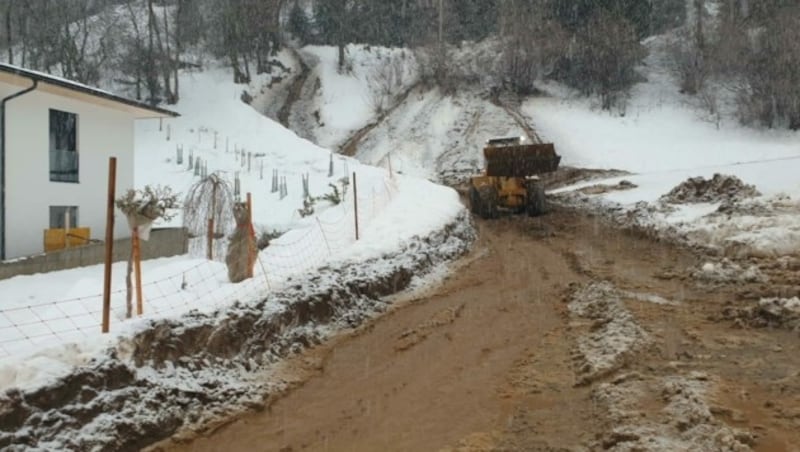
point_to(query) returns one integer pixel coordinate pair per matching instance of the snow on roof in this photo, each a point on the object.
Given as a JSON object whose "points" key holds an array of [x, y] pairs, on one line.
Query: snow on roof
{"points": [[53, 80]]}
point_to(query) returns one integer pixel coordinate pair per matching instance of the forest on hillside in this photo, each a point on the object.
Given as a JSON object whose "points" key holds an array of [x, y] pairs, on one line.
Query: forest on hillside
{"points": [[593, 46]]}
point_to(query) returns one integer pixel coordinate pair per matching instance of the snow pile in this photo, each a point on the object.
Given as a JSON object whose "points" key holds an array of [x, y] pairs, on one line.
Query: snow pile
{"points": [[759, 227], [613, 336], [185, 372], [720, 188], [685, 423], [727, 271]]}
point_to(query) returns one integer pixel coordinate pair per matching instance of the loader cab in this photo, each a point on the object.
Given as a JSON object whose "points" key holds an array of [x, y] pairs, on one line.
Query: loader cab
{"points": [[507, 141]]}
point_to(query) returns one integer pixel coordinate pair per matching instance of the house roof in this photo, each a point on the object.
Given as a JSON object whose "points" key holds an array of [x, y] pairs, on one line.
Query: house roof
{"points": [[68, 88]]}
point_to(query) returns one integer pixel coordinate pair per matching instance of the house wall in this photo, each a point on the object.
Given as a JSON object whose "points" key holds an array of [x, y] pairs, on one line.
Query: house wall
{"points": [[102, 132]]}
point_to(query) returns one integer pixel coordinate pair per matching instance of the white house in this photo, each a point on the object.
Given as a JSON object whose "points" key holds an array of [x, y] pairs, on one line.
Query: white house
{"points": [[56, 137]]}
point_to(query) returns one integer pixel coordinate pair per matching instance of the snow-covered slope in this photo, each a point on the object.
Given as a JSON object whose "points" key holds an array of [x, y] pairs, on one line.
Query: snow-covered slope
{"points": [[664, 138], [336, 104], [436, 136], [660, 136]]}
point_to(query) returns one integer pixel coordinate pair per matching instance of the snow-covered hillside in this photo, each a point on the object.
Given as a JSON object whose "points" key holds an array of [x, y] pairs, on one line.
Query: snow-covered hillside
{"points": [[664, 139], [661, 137]]}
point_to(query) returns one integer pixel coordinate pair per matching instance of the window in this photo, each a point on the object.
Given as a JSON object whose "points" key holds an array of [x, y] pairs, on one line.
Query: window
{"points": [[63, 146], [58, 217]]}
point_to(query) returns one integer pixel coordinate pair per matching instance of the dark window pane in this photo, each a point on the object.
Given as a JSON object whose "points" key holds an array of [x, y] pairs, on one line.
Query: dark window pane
{"points": [[64, 163], [58, 217]]}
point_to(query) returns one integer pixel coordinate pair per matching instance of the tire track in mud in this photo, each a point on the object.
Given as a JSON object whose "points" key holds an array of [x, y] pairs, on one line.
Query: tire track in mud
{"points": [[512, 108]]}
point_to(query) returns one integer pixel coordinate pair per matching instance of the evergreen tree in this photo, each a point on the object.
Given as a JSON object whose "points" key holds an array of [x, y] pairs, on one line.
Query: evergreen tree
{"points": [[473, 20]]}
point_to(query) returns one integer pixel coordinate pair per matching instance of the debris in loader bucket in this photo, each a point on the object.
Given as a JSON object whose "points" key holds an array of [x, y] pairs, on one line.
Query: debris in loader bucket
{"points": [[520, 160]]}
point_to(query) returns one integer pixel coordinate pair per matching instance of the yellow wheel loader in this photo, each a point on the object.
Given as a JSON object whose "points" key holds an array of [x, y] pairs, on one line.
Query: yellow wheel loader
{"points": [[510, 181]]}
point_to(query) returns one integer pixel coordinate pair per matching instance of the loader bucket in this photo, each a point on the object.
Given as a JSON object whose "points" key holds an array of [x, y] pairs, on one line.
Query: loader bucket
{"points": [[520, 160]]}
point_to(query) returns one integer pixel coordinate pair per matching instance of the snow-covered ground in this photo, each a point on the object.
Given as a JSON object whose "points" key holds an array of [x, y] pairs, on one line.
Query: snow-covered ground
{"points": [[50, 323], [664, 138]]}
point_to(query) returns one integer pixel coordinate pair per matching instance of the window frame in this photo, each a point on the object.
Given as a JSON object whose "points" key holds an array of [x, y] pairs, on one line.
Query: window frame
{"points": [[64, 164], [59, 212]]}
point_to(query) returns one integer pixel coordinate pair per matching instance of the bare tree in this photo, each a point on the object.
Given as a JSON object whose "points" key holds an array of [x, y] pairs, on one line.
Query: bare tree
{"points": [[690, 53], [208, 212], [9, 10], [385, 81], [772, 97], [532, 44], [605, 58]]}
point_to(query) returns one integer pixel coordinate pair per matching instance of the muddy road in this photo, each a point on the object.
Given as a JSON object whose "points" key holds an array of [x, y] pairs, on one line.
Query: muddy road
{"points": [[556, 333]]}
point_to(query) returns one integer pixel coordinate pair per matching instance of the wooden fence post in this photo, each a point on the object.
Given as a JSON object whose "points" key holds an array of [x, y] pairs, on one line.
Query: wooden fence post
{"points": [[355, 201], [210, 239], [251, 257], [137, 267], [112, 184]]}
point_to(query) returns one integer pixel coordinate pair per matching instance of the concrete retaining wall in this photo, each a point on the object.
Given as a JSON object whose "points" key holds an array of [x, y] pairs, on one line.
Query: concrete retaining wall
{"points": [[163, 243]]}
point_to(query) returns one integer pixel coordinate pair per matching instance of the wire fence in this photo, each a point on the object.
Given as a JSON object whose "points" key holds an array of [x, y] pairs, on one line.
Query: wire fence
{"points": [[203, 285]]}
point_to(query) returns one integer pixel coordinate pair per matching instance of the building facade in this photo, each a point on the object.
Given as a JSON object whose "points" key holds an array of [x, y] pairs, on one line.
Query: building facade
{"points": [[56, 140]]}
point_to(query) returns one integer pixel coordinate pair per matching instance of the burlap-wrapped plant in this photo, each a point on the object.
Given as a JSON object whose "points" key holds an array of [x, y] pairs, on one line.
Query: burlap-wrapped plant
{"points": [[242, 248]]}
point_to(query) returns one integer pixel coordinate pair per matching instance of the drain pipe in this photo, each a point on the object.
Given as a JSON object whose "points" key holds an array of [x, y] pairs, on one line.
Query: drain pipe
{"points": [[3, 164]]}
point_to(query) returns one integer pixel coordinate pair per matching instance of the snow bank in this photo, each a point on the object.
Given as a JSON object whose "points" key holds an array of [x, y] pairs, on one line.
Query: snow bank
{"points": [[759, 227]]}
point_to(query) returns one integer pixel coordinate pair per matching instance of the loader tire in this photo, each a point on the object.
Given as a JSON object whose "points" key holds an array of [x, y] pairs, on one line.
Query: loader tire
{"points": [[536, 204], [483, 202], [475, 201], [489, 199]]}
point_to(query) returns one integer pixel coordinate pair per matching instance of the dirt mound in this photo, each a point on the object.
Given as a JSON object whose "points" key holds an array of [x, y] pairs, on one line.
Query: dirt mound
{"points": [[720, 188], [768, 312], [725, 272]]}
